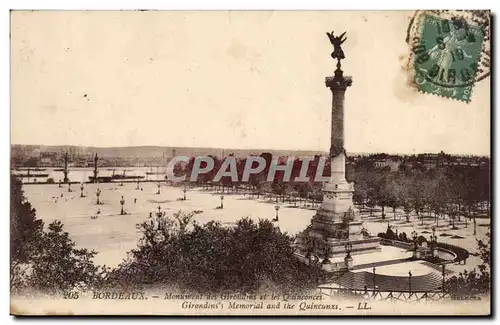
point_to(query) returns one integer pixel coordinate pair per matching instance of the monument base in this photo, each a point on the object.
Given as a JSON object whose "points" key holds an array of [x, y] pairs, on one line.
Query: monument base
{"points": [[330, 243]]}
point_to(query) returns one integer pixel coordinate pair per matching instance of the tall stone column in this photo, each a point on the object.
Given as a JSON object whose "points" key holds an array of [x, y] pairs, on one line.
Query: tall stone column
{"points": [[337, 193], [338, 85], [337, 199], [95, 168], [66, 168]]}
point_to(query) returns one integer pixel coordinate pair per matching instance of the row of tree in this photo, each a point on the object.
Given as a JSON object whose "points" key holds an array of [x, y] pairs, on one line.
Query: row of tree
{"points": [[453, 190]]}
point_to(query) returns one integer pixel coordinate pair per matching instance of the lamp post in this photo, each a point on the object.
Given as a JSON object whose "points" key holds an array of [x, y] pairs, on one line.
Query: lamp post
{"points": [[433, 236], [98, 193], [81, 189], [414, 236], [222, 201], [277, 208], [409, 282], [443, 266], [326, 261], [433, 241], [348, 259], [348, 248], [122, 202], [374, 279]]}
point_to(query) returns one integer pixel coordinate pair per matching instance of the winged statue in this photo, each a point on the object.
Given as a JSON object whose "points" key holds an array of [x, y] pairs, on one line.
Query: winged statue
{"points": [[337, 41]]}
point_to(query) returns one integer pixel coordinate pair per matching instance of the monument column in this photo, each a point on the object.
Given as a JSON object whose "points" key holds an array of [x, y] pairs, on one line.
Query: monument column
{"points": [[95, 168], [337, 199], [335, 231], [338, 85], [66, 168]]}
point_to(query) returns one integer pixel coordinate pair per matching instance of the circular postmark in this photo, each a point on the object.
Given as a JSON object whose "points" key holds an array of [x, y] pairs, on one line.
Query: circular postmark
{"points": [[449, 51]]}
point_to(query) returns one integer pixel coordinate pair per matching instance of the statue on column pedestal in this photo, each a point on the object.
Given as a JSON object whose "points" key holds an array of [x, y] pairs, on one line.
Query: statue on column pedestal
{"points": [[337, 53]]}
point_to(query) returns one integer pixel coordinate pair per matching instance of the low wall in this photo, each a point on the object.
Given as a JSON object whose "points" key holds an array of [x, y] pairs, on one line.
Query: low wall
{"points": [[444, 253], [396, 243]]}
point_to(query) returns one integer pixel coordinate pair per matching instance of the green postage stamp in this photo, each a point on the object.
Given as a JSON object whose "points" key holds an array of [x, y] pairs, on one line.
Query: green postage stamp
{"points": [[446, 54]]}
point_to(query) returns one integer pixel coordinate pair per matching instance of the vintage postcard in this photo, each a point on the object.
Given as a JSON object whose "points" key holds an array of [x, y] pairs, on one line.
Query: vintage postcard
{"points": [[250, 163]]}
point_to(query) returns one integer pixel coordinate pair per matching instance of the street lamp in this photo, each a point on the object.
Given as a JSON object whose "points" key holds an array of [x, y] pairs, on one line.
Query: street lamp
{"points": [[348, 248], [98, 193], [326, 260], [414, 236], [409, 282], [81, 189], [433, 237], [374, 278], [277, 208], [443, 267], [122, 202], [222, 201], [434, 242]]}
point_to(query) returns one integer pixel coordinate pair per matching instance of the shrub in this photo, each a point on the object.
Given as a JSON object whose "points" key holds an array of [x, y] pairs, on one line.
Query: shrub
{"points": [[421, 239], [471, 283], [212, 258], [59, 267]]}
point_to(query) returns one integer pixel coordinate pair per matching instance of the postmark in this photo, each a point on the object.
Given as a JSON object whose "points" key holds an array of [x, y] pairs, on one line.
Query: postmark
{"points": [[449, 53]]}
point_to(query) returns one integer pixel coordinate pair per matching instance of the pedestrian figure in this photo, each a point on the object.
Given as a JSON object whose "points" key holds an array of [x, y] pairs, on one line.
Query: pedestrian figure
{"points": [[135, 200]]}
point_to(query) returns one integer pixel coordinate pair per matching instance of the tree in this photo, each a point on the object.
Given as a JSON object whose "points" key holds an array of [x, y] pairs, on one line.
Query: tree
{"points": [[46, 261], [60, 267], [471, 283], [417, 193], [25, 234], [212, 258], [396, 193]]}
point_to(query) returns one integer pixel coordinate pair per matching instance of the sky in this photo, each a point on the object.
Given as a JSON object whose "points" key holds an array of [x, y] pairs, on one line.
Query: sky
{"points": [[227, 79]]}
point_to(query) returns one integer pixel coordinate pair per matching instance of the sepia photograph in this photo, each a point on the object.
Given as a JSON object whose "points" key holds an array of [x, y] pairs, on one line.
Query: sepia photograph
{"points": [[250, 163]]}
